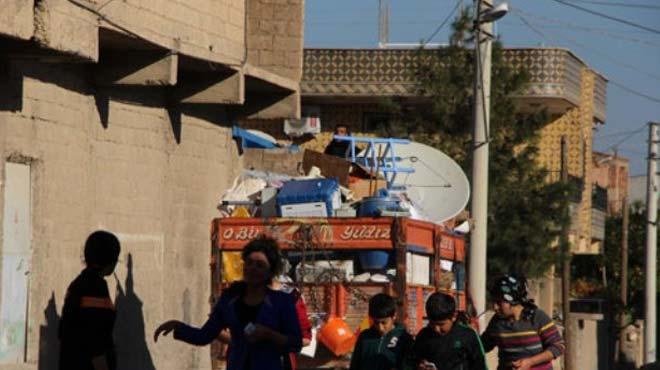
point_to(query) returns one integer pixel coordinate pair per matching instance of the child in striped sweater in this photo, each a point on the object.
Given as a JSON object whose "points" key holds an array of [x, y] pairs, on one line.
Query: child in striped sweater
{"points": [[525, 336]]}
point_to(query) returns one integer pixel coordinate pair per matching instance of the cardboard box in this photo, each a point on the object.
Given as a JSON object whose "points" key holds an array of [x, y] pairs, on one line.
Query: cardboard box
{"points": [[330, 166], [360, 187]]}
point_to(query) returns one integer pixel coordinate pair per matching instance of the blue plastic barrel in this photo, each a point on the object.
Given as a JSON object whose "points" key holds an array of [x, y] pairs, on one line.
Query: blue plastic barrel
{"points": [[373, 260], [372, 206]]}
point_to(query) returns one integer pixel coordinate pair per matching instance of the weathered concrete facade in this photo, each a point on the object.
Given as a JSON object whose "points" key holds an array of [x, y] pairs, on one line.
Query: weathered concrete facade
{"points": [[123, 110]]}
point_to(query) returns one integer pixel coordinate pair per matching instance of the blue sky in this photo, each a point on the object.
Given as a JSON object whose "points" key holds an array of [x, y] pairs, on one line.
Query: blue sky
{"points": [[624, 54]]}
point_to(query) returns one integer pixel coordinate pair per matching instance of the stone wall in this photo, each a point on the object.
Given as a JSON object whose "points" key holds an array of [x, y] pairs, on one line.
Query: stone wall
{"points": [[206, 29], [149, 174], [266, 33], [275, 36]]}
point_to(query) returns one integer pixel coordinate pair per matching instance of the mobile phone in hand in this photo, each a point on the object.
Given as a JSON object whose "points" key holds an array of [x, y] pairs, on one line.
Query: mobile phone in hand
{"points": [[249, 329]]}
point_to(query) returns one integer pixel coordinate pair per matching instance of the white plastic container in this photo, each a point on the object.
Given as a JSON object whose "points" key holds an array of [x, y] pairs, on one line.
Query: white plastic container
{"points": [[314, 209]]}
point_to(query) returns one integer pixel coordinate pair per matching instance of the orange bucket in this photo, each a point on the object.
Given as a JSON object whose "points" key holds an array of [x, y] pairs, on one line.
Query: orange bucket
{"points": [[337, 336]]}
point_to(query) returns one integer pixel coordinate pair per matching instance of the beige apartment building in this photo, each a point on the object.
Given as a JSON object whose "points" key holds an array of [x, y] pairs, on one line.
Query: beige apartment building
{"points": [[117, 115]]}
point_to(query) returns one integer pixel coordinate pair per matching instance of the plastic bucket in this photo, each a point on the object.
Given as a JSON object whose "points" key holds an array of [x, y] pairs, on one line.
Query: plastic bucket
{"points": [[337, 336], [373, 260], [372, 206]]}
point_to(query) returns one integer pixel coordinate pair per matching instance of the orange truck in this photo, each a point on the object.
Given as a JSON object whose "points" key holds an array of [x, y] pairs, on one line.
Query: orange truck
{"points": [[423, 258]]}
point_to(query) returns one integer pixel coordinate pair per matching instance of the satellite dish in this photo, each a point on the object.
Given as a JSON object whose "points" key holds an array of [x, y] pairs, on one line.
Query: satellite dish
{"points": [[438, 189]]}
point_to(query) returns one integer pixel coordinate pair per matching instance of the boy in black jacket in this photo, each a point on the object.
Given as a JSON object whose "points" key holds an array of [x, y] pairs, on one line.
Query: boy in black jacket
{"points": [[88, 315], [445, 344], [385, 345]]}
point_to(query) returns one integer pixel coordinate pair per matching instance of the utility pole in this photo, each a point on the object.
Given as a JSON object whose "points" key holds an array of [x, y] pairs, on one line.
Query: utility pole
{"points": [[383, 23], [480, 138], [651, 246], [566, 265], [624, 277]]}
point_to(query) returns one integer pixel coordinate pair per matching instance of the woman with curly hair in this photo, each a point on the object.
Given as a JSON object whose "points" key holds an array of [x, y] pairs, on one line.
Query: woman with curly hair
{"points": [[263, 322]]}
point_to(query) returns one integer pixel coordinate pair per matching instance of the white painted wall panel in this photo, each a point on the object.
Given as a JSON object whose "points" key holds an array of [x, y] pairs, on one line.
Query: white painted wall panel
{"points": [[16, 253]]}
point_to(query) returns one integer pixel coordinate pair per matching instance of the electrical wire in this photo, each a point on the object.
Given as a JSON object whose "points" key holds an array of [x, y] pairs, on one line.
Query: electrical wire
{"points": [[634, 92], [616, 134], [616, 145], [606, 16], [444, 22], [624, 5], [598, 31], [593, 50], [615, 83], [625, 150]]}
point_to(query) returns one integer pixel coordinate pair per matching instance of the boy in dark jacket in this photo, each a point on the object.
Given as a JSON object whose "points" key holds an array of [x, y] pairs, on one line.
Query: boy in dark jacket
{"points": [[445, 344], [385, 345], [88, 315]]}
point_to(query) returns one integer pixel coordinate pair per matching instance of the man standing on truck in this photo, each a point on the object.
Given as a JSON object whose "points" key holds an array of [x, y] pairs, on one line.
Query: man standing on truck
{"points": [[339, 148]]}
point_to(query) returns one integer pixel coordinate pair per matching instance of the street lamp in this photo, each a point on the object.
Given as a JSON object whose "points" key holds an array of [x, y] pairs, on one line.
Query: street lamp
{"points": [[485, 14], [494, 13]]}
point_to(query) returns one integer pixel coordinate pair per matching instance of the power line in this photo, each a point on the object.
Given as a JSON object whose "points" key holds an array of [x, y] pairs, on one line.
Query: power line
{"points": [[624, 5], [625, 150], [451, 14], [628, 137], [623, 21], [634, 92], [615, 83], [599, 31], [595, 51], [615, 134]]}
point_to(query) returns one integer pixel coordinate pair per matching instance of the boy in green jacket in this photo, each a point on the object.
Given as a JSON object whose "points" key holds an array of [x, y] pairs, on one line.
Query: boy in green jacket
{"points": [[385, 345]]}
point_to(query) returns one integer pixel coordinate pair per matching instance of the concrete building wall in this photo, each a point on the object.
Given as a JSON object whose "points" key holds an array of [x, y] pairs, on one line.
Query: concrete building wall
{"points": [[592, 342], [16, 18], [151, 175], [275, 36], [265, 33], [612, 173], [66, 27], [206, 29]]}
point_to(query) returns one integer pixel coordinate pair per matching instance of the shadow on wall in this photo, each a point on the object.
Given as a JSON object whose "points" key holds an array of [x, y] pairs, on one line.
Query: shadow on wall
{"points": [[11, 85], [78, 78], [49, 342], [130, 340]]}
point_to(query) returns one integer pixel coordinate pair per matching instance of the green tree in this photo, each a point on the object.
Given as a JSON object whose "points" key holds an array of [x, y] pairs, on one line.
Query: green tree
{"points": [[526, 210], [609, 263]]}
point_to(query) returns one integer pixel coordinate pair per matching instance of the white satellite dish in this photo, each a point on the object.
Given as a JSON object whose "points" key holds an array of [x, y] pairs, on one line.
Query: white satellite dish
{"points": [[438, 189]]}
